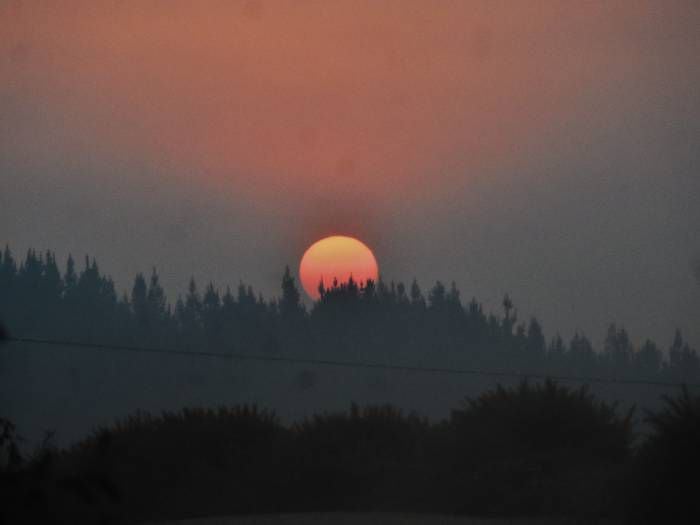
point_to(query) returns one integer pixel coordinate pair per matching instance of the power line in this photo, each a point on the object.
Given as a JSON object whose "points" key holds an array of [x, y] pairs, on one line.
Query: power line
{"points": [[348, 364]]}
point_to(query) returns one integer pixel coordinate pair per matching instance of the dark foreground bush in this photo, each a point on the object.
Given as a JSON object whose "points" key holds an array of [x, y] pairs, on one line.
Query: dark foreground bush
{"points": [[373, 458], [37, 489], [538, 450], [194, 462], [668, 467]]}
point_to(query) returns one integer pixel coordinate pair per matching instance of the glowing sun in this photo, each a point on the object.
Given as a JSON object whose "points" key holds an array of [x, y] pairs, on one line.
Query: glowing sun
{"points": [[337, 257]]}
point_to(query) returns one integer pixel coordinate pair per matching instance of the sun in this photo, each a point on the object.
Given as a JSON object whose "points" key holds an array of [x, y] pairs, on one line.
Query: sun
{"points": [[336, 257]]}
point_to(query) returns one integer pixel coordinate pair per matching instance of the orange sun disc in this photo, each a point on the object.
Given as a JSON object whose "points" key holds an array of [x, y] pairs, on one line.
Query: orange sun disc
{"points": [[337, 257]]}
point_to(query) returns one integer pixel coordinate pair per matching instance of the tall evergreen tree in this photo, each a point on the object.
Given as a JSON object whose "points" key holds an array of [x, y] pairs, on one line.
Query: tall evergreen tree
{"points": [[289, 304]]}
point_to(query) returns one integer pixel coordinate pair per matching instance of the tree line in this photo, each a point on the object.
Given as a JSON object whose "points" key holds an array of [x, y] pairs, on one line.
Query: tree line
{"points": [[528, 450], [386, 322]]}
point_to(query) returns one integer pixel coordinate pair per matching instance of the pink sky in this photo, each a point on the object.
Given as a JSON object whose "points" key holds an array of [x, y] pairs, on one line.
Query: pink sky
{"points": [[307, 97]]}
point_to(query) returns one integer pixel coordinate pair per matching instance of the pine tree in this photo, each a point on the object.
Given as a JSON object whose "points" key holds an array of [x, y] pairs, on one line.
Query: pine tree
{"points": [[436, 296], [289, 305], [536, 345], [417, 298], [70, 278], [156, 298]]}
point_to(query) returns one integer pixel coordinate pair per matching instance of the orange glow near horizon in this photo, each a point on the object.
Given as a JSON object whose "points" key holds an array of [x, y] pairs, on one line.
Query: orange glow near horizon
{"points": [[336, 257]]}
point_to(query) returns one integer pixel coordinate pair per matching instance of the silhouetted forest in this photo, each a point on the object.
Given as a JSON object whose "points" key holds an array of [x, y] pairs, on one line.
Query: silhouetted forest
{"points": [[379, 322], [511, 450], [529, 450]]}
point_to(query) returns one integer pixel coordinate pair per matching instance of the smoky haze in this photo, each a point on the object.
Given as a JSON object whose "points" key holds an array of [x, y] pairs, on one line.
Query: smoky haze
{"points": [[526, 175], [551, 155]]}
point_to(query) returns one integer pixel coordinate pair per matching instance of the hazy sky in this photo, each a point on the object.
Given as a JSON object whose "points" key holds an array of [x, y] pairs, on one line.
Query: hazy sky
{"points": [[550, 150]]}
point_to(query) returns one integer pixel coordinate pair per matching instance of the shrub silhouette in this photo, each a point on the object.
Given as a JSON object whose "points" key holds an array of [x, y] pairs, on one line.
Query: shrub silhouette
{"points": [[369, 458], [669, 463], [191, 462], [43, 489], [242, 460], [542, 449], [538, 450]]}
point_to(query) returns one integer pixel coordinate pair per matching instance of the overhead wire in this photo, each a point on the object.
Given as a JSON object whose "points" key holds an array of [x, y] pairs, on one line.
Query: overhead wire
{"points": [[347, 364]]}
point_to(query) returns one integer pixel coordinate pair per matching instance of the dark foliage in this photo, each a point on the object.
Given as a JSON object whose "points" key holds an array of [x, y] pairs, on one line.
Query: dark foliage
{"points": [[191, 462], [42, 489], [536, 450], [370, 320], [10, 457], [541, 450], [669, 465], [372, 458]]}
